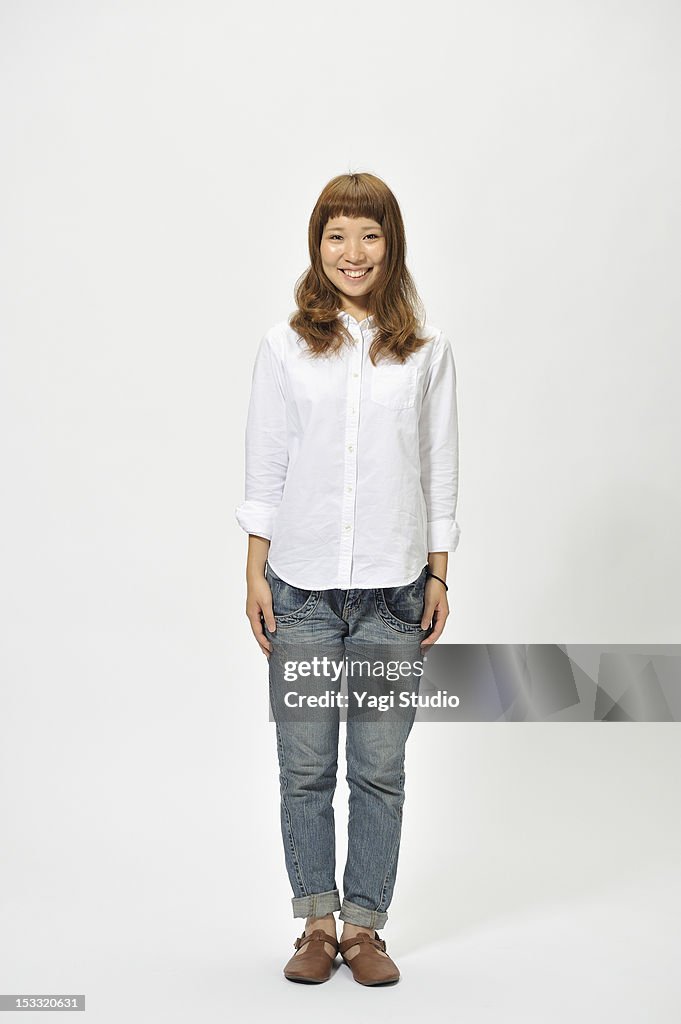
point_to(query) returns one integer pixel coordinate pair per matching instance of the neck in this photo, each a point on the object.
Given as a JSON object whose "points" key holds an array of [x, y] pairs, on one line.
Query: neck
{"points": [[359, 312]]}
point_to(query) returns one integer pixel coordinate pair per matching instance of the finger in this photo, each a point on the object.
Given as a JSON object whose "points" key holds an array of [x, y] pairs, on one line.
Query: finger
{"points": [[268, 615], [256, 615], [438, 626], [259, 634], [427, 617]]}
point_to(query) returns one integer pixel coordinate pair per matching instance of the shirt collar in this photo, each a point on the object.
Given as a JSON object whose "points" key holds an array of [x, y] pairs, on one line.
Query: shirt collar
{"points": [[367, 321]]}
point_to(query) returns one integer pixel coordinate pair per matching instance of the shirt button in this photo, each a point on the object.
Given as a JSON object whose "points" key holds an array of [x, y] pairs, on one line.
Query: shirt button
{"points": [[350, 448], [347, 526], [355, 375], [349, 487]]}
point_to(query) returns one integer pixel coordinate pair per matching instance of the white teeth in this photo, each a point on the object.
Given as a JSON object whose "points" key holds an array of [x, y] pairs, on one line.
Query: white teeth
{"points": [[355, 273]]}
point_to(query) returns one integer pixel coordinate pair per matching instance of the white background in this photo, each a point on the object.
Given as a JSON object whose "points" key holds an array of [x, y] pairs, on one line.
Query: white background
{"points": [[159, 164]]}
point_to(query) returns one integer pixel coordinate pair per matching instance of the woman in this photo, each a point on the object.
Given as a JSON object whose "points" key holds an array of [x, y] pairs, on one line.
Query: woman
{"points": [[351, 493]]}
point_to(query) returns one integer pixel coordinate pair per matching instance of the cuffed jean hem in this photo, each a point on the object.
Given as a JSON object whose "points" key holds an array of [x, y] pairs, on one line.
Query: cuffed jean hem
{"points": [[318, 904], [354, 914]]}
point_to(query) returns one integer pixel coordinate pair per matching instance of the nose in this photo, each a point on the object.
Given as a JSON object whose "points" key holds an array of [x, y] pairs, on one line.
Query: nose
{"points": [[353, 252]]}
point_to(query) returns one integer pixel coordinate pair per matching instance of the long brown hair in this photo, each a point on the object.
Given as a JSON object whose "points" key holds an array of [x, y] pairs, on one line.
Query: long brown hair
{"points": [[394, 303]]}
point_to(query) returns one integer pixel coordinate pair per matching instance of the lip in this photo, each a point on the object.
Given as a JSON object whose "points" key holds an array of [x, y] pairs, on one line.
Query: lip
{"points": [[367, 271]]}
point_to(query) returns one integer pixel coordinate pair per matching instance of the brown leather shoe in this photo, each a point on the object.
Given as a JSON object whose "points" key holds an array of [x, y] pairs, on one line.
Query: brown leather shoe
{"points": [[314, 964], [368, 966]]}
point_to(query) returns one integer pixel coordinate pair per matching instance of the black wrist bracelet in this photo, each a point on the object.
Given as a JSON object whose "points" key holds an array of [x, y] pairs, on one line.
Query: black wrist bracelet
{"points": [[429, 573]]}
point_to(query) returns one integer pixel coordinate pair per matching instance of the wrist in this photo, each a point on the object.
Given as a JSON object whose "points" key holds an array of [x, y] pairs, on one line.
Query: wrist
{"points": [[254, 572], [437, 563], [436, 576]]}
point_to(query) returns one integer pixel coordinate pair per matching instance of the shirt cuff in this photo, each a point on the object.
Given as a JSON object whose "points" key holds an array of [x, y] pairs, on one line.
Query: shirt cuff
{"points": [[443, 535], [256, 518]]}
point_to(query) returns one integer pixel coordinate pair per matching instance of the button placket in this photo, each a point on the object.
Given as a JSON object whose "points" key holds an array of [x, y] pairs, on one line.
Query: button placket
{"points": [[354, 383]]}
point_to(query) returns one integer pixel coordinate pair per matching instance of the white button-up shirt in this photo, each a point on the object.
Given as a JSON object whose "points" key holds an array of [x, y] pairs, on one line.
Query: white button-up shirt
{"points": [[351, 468]]}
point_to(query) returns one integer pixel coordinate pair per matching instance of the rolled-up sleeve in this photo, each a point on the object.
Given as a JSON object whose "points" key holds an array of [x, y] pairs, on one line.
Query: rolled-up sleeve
{"points": [[439, 449], [266, 444]]}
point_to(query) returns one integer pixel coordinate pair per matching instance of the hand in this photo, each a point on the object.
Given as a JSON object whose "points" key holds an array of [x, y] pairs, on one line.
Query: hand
{"points": [[435, 609], [259, 604]]}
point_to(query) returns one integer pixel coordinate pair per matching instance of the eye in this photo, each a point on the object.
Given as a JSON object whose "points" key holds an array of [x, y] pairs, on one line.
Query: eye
{"points": [[333, 237]]}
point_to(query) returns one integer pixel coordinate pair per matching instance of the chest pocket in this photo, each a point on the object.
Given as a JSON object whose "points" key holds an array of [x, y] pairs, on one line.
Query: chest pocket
{"points": [[394, 385]]}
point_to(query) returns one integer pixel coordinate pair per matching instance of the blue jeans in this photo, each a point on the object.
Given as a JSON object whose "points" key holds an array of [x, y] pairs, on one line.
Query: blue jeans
{"points": [[342, 624]]}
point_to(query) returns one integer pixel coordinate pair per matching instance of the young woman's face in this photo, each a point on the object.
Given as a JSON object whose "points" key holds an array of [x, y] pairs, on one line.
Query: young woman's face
{"points": [[352, 251]]}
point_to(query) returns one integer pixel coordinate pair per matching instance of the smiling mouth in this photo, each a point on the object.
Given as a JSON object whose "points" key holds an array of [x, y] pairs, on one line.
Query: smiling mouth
{"points": [[355, 275]]}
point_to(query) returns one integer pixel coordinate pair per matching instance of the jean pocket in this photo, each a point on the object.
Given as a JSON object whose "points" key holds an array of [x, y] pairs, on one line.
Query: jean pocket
{"points": [[401, 608], [394, 385], [290, 604]]}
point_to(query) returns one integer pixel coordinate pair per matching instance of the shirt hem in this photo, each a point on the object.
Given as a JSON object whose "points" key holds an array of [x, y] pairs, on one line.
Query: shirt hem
{"points": [[411, 577]]}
